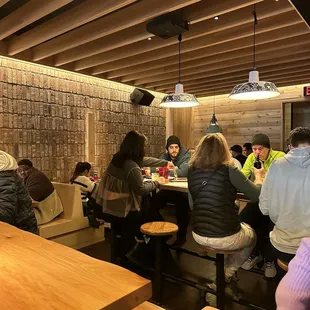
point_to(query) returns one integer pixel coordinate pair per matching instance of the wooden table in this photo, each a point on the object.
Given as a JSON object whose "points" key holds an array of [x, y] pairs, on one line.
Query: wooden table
{"points": [[175, 186], [39, 274]]}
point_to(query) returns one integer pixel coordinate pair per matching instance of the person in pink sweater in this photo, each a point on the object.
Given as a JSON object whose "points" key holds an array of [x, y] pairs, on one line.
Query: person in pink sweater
{"points": [[293, 292]]}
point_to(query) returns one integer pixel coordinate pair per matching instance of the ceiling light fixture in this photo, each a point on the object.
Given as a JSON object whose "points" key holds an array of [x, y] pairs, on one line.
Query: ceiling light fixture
{"points": [[216, 17], [214, 126], [149, 38], [179, 99], [254, 89]]}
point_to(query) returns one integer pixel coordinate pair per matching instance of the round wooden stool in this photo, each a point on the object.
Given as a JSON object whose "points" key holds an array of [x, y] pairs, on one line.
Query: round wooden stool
{"points": [[158, 230], [282, 264], [220, 274]]}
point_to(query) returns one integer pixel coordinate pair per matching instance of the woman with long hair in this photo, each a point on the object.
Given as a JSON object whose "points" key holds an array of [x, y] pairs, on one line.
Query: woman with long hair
{"points": [[121, 190], [81, 178], [213, 183]]}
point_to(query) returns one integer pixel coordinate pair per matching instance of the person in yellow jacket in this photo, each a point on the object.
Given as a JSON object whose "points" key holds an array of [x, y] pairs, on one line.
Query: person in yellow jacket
{"points": [[251, 214], [262, 150]]}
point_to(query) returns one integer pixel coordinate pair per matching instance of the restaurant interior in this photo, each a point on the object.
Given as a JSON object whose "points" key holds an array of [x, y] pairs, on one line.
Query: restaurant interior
{"points": [[77, 77]]}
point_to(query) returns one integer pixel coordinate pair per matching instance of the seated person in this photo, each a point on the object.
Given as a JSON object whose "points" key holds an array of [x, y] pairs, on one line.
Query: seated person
{"points": [[121, 191], [15, 203], [41, 190], [81, 178], [293, 291], [247, 149], [213, 183], [251, 214], [236, 152], [179, 157], [285, 196]]}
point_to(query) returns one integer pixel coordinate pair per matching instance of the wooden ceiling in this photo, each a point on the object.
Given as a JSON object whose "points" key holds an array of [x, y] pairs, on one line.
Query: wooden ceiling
{"points": [[108, 39]]}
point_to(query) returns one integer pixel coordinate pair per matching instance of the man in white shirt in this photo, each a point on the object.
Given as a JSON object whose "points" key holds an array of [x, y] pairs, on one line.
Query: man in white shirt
{"points": [[285, 195]]}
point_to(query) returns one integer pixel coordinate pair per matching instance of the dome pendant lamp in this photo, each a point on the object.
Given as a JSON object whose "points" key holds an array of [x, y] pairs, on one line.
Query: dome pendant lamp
{"points": [[179, 99], [214, 126], [254, 89]]}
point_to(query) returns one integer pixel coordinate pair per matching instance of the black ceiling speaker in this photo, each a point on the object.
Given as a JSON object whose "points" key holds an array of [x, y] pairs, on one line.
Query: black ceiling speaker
{"points": [[141, 97], [168, 25]]}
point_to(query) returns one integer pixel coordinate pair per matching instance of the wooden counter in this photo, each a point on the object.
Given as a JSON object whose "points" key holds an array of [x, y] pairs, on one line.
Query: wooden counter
{"points": [[39, 274]]}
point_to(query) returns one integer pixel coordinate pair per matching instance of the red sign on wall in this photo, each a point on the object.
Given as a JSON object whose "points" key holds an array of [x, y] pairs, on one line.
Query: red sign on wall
{"points": [[307, 91]]}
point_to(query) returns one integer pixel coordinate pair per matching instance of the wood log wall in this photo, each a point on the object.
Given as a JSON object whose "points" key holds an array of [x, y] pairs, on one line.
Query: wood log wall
{"points": [[240, 120]]}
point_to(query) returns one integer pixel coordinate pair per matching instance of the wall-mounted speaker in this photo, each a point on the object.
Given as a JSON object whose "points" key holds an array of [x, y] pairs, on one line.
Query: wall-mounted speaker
{"points": [[141, 97]]}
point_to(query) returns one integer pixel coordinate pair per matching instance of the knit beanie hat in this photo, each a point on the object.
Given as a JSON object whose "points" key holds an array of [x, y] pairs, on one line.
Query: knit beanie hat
{"points": [[7, 162], [173, 140], [261, 139]]}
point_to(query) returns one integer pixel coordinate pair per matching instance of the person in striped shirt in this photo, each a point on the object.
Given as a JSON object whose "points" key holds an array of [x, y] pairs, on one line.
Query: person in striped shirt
{"points": [[81, 178]]}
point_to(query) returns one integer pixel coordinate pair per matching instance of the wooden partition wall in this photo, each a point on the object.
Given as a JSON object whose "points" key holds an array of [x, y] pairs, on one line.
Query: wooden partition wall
{"points": [[240, 120]]}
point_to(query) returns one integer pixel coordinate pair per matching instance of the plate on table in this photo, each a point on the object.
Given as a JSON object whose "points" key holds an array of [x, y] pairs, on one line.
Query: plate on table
{"points": [[170, 178]]}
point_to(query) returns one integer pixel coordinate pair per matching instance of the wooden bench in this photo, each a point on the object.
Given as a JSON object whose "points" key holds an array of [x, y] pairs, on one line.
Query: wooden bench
{"points": [[148, 306], [71, 228]]}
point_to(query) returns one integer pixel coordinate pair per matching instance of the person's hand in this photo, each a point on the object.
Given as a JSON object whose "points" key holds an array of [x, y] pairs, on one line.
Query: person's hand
{"points": [[170, 165], [259, 174], [161, 180]]}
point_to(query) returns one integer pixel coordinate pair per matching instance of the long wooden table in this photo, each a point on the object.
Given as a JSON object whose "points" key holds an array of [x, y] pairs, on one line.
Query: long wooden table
{"points": [[183, 187], [39, 274]]}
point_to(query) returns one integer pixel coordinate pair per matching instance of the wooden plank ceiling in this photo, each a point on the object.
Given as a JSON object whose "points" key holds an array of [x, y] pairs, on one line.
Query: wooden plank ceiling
{"points": [[108, 39]]}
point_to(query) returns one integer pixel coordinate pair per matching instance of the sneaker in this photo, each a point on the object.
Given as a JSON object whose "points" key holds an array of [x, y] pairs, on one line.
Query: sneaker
{"points": [[270, 270], [251, 262]]}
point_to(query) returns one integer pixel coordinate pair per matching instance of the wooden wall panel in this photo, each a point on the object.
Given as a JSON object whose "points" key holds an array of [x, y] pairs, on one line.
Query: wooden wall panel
{"points": [[240, 120]]}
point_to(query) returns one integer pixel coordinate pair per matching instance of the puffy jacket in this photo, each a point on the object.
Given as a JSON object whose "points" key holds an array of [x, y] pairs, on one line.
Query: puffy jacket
{"points": [[15, 203], [214, 213]]}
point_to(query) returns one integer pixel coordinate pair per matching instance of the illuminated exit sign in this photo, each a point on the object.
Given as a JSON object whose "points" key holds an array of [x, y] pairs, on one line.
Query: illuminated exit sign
{"points": [[307, 91]]}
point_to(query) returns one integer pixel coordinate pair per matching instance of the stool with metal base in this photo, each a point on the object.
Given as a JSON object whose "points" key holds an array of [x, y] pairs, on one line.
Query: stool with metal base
{"points": [[116, 227], [158, 230], [220, 274]]}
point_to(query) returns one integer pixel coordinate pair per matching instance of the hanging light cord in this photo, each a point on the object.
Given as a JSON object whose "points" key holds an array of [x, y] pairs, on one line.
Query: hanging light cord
{"points": [[214, 100], [254, 38], [180, 40]]}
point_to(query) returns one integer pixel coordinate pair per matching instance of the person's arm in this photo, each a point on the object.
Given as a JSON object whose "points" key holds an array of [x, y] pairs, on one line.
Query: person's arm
{"points": [[263, 198], [182, 170], [25, 218], [293, 292], [248, 166], [154, 162], [135, 180], [90, 185], [190, 200], [243, 184]]}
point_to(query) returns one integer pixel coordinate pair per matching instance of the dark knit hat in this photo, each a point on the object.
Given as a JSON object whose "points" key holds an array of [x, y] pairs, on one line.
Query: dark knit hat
{"points": [[173, 140], [261, 139]]}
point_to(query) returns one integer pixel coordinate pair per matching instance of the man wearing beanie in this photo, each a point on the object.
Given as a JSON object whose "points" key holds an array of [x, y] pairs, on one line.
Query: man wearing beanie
{"points": [[262, 151], [251, 214], [180, 158]]}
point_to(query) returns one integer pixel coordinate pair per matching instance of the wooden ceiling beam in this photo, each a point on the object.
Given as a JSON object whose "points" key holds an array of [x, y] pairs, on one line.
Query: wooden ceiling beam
{"points": [[227, 90], [228, 59], [267, 73], [77, 16], [271, 41], [268, 24], [120, 20], [27, 14], [264, 76], [229, 65], [192, 13], [235, 66]]}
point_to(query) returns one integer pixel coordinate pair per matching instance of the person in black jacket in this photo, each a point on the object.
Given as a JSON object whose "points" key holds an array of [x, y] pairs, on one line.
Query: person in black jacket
{"points": [[236, 152], [15, 203], [213, 184]]}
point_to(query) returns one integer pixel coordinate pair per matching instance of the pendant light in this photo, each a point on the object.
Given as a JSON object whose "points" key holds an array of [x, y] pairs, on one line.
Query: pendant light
{"points": [[179, 99], [254, 89], [214, 126]]}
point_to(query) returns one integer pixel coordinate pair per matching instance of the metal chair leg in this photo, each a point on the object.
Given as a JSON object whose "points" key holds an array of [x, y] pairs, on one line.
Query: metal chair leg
{"points": [[220, 282], [113, 243]]}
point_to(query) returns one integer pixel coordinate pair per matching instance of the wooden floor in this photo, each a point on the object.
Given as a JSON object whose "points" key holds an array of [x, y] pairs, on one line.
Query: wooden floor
{"points": [[251, 286]]}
